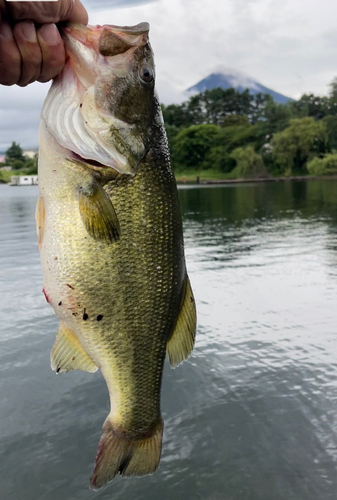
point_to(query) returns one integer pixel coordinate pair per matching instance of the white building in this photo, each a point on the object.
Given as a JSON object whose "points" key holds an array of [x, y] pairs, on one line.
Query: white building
{"points": [[24, 180], [30, 153]]}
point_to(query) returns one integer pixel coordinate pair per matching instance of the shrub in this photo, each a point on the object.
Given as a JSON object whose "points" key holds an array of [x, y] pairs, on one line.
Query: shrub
{"points": [[323, 166], [248, 163]]}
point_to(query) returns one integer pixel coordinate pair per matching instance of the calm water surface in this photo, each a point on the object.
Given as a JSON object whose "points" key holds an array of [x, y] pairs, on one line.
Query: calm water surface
{"points": [[251, 416]]}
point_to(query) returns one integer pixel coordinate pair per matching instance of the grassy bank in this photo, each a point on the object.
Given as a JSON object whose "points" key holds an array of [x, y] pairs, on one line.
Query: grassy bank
{"points": [[6, 176], [190, 176]]}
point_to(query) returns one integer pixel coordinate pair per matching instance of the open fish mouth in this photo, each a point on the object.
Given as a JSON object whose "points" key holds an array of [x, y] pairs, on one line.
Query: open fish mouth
{"points": [[81, 110], [93, 163]]}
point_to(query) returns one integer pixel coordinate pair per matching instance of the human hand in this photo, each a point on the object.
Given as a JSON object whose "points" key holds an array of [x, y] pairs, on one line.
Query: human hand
{"points": [[31, 48]]}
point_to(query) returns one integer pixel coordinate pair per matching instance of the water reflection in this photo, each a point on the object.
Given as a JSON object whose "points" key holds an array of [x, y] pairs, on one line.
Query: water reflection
{"points": [[252, 415], [241, 203]]}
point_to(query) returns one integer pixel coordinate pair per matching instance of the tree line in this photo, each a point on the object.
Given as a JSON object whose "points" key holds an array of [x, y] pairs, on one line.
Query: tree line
{"points": [[15, 159], [239, 134], [244, 135]]}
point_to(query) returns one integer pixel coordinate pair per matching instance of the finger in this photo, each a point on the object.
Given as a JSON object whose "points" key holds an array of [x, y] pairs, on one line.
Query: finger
{"points": [[53, 53], [31, 56], [76, 13], [10, 57], [46, 12]]}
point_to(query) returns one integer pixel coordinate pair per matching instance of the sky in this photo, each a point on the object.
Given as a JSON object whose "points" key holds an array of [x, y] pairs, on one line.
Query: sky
{"points": [[289, 46]]}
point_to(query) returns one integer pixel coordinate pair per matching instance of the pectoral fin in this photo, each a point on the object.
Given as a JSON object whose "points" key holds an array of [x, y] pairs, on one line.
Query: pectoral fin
{"points": [[181, 342], [68, 354], [98, 214], [40, 217]]}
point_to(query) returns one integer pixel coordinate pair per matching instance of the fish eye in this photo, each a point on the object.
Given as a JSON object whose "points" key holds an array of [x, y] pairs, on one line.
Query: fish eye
{"points": [[146, 74]]}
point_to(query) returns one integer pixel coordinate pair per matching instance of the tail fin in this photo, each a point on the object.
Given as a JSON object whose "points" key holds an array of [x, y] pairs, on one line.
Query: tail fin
{"points": [[126, 456]]}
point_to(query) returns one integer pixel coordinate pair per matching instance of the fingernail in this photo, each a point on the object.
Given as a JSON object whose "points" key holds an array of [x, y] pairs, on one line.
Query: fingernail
{"points": [[6, 31], [28, 31], [50, 34]]}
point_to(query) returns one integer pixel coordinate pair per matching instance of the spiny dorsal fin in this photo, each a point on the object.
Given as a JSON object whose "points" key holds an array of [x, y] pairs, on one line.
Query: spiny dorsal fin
{"points": [[98, 214], [181, 342], [68, 354], [40, 217]]}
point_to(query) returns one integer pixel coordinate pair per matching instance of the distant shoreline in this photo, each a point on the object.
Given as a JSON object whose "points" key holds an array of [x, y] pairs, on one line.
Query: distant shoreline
{"points": [[203, 182], [212, 182]]}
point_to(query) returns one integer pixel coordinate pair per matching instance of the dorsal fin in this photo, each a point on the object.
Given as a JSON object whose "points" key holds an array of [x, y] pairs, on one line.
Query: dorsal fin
{"points": [[181, 342], [68, 354]]}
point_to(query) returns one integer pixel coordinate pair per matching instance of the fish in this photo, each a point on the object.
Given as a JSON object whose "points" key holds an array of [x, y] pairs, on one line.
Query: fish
{"points": [[110, 237]]}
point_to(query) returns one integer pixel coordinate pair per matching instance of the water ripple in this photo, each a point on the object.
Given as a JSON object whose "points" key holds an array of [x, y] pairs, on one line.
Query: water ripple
{"points": [[251, 416]]}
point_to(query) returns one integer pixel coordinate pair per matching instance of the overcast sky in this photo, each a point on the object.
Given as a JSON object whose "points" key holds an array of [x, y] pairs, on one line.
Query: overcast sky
{"points": [[287, 45]]}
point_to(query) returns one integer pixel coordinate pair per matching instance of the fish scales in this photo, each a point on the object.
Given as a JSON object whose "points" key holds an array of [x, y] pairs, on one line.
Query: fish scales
{"points": [[113, 261]]}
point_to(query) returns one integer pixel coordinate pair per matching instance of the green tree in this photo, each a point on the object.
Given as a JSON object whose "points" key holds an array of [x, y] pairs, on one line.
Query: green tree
{"points": [[333, 97], [248, 163], [192, 145], [333, 88], [214, 106], [31, 165], [259, 104], [17, 164], [323, 166], [233, 137], [219, 104], [235, 120], [275, 119], [311, 105], [300, 142], [330, 123], [220, 159], [177, 115], [14, 152], [171, 132]]}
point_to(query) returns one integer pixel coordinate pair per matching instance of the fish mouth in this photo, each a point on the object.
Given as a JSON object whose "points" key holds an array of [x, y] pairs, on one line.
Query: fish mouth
{"points": [[96, 165], [106, 172], [77, 112], [93, 163]]}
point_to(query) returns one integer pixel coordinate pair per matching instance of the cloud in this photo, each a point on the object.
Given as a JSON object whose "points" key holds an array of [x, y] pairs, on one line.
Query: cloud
{"points": [[20, 114], [113, 4]]}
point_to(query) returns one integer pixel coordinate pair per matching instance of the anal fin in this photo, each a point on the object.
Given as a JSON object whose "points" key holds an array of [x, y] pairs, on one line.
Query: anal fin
{"points": [[68, 354], [181, 342]]}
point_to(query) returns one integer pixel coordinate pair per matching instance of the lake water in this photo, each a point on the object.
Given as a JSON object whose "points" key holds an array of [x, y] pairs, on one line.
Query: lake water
{"points": [[251, 416]]}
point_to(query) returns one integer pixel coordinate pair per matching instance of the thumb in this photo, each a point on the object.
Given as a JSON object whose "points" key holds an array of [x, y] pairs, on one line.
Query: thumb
{"points": [[76, 13]]}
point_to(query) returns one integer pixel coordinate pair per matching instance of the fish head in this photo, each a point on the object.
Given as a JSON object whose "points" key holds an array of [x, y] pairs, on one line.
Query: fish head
{"points": [[103, 105]]}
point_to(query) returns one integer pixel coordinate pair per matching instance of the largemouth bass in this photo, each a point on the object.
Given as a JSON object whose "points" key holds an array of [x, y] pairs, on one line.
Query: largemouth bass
{"points": [[110, 237]]}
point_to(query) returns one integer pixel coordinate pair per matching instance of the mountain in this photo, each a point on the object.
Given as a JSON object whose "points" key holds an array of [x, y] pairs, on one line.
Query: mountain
{"points": [[228, 78]]}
